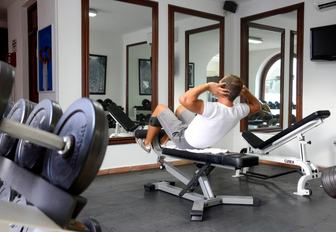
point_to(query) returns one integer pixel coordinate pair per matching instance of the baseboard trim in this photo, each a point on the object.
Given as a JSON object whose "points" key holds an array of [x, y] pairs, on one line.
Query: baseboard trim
{"points": [[273, 163], [136, 168]]}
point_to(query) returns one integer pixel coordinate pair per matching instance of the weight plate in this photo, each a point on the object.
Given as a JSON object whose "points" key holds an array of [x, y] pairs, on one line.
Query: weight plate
{"points": [[86, 123], [327, 184], [7, 193], [8, 108], [44, 116], [6, 84], [332, 183], [18, 113]]}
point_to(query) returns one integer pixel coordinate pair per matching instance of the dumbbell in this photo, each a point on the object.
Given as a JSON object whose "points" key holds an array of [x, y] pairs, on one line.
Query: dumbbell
{"points": [[77, 144], [19, 112], [146, 104], [44, 116]]}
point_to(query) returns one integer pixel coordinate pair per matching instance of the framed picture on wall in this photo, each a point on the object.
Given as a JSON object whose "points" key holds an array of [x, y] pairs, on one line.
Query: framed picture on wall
{"points": [[191, 75], [97, 74], [145, 77], [45, 81]]}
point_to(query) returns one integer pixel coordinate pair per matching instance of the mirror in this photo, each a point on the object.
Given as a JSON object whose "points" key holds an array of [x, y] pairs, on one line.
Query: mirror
{"points": [[271, 66], [196, 51], [120, 64], [139, 87], [266, 72]]}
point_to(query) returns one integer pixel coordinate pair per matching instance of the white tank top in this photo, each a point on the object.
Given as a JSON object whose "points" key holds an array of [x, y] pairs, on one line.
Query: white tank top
{"points": [[216, 121]]}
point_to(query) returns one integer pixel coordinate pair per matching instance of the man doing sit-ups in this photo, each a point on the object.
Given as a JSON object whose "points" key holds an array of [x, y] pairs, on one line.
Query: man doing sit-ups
{"points": [[200, 124]]}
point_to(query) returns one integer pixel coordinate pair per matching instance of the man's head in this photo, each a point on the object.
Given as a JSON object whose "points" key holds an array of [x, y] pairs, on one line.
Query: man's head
{"points": [[232, 83]]}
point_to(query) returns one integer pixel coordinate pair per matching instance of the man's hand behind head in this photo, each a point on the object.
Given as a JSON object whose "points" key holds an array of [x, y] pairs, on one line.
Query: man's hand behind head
{"points": [[218, 89]]}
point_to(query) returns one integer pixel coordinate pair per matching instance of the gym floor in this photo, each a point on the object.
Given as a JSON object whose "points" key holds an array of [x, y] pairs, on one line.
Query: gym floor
{"points": [[120, 204]]}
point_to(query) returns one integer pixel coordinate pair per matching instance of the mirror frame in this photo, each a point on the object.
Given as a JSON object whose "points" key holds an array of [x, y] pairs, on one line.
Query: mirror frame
{"points": [[171, 46], [292, 55], [154, 55], [244, 50], [187, 47]]}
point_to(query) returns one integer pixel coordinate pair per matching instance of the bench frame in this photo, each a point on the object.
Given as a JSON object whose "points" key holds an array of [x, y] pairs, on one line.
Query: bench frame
{"points": [[200, 178], [308, 170]]}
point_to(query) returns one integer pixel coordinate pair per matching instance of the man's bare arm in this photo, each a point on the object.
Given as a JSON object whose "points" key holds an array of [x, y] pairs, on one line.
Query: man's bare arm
{"points": [[251, 100], [190, 98]]}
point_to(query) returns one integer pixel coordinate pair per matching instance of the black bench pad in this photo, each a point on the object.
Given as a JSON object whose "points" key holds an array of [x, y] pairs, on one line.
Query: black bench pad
{"points": [[121, 117], [256, 142], [237, 160]]}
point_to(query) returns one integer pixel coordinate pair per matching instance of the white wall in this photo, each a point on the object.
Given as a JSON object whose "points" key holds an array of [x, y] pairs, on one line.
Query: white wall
{"points": [[142, 51], [202, 47], [136, 52], [109, 44], [69, 51]]}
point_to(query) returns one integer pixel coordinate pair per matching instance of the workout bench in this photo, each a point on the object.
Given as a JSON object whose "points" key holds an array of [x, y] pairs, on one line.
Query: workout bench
{"points": [[263, 148], [206, 162]]}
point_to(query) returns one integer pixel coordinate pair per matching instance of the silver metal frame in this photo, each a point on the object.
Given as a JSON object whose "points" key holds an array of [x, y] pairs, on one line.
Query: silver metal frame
{"points": [[200, 201], [308, 169]]}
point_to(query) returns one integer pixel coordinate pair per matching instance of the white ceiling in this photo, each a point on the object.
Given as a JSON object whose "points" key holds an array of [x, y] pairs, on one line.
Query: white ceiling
{"points": [[119, 17], [272, 39]]}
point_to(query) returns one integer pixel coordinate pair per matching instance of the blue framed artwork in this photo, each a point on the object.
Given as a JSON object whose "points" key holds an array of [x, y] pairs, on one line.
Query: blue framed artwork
{"points": [[45, 81]]}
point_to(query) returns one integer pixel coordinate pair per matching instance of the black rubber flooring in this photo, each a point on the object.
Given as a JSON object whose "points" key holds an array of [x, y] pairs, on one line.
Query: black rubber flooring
{"points": [[120, 204]]}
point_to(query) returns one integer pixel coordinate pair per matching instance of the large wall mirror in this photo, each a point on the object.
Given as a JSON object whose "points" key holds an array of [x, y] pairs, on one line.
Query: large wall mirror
{"points": [[120, 59], [271, 66], [196, 50]]}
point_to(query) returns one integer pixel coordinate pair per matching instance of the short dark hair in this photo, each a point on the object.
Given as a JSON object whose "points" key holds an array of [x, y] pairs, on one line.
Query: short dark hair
{"points": [[234, 84]]}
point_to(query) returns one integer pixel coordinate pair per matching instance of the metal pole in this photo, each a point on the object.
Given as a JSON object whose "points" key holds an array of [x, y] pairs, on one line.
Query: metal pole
{"points": [[33, 135]]}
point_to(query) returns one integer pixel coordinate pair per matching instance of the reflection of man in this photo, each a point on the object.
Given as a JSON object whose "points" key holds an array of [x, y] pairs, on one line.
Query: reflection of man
{"points": [[45, 58], [199, 124]]}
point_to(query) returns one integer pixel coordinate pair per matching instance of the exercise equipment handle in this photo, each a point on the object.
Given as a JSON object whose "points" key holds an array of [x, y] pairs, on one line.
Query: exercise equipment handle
{"points": [[33, 135]]}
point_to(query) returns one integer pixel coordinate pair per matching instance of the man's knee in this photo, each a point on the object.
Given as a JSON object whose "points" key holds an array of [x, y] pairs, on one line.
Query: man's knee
{"points": [[179, 110], [159, 108]]}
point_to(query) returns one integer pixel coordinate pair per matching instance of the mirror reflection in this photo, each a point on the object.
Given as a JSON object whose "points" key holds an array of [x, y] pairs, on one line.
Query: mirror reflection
{"points": [[272, 70], [120, 64], [196, 56], [139, 82], [196, 43], [266, 46]]}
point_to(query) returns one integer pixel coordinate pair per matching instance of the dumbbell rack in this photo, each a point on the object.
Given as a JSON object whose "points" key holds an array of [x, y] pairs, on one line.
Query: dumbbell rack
{"points": [[56, 208]]}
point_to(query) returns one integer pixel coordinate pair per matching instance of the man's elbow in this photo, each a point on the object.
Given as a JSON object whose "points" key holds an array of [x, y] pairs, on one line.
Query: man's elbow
{"points": [[182, 100], [185, 101], [254, 108]]}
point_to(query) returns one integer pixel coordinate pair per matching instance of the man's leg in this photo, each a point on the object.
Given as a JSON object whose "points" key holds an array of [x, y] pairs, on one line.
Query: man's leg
{"points": [[185, 115], [152, 130]]}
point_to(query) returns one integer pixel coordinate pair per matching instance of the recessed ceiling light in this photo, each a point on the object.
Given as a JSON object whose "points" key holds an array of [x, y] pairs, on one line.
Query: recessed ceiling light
{"points": [[92, 12], [255, 40]]}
